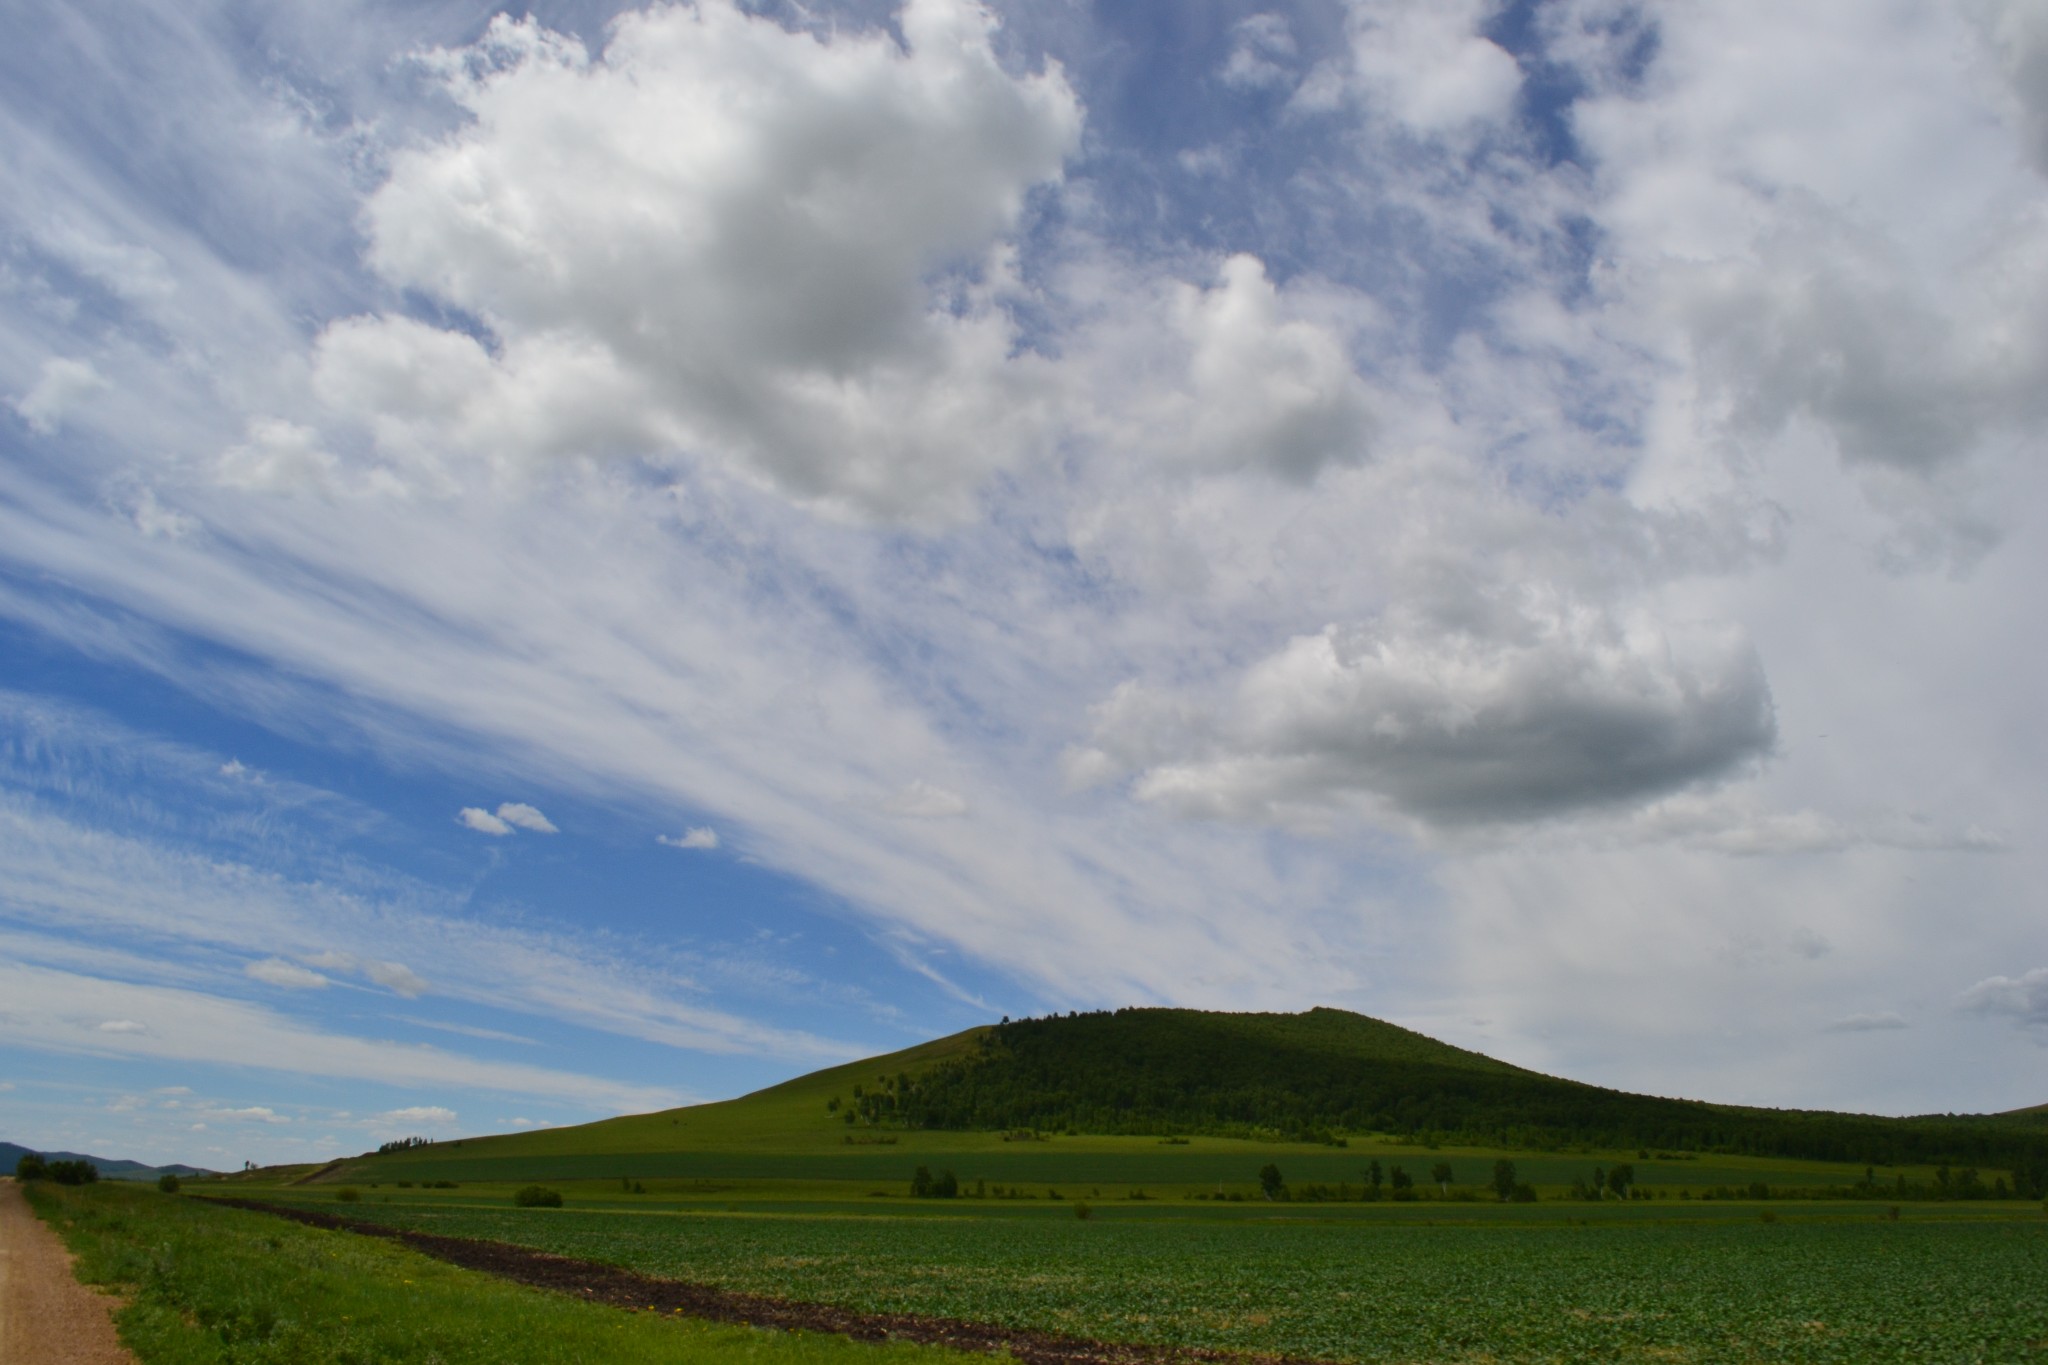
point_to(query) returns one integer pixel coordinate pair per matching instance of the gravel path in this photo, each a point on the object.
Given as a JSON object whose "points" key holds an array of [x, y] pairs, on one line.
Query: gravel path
{"points": [[46, 1316]]}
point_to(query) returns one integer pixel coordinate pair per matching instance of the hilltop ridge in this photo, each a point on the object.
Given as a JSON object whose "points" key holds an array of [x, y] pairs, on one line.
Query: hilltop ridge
{"points": [[1319, 1076]]}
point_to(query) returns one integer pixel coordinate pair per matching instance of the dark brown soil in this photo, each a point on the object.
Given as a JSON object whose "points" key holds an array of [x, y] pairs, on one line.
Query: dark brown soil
{"points": [[628, 1289]]}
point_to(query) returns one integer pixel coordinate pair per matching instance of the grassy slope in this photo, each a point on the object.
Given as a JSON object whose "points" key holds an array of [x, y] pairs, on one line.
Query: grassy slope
{"points": [[785, 1131], [208, 1284]]}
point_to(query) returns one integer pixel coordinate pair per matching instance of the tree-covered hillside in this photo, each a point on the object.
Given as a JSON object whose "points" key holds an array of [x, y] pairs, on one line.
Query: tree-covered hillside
{"points": [[1327, 1072]]}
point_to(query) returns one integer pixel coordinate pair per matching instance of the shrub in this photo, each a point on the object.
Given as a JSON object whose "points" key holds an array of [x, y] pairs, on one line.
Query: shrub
{"points": [[535, 1197], [73, 1172], [1524, 1193], [348, 1194], [30, 1167], [1081, 1210], [167, 1182]]}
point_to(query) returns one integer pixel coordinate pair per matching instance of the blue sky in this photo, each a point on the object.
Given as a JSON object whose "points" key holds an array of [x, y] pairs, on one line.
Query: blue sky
{"points": [[560, 562]]}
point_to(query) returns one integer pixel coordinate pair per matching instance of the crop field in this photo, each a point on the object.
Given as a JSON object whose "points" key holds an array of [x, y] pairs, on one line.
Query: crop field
{"points": [[204, 1285], [1441, 1282]]}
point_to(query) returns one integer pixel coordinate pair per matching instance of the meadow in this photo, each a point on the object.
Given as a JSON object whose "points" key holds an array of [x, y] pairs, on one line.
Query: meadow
{"points": [[1438, 1281], [206, 1285]]}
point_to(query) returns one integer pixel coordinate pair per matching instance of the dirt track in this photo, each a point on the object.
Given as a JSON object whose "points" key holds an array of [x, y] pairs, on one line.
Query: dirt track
{"points": [[626, 1289], [46, 1316]]}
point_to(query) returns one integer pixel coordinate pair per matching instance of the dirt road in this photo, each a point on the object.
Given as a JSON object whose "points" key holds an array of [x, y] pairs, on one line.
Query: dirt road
{"points": [[46, 1316]]}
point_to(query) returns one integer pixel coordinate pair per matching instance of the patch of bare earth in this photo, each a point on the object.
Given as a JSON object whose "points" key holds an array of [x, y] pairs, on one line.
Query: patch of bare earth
{"points": [[46, 1316], [631, 1290]]}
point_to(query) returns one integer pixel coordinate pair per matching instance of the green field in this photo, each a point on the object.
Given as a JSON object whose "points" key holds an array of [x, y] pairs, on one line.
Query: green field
{"points": [[1662, 1281], [208, 1286], [1723, 1252]]}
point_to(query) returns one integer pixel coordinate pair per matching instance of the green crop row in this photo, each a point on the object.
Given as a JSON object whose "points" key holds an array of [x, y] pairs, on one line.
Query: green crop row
{"points": [[1763, 1286]]}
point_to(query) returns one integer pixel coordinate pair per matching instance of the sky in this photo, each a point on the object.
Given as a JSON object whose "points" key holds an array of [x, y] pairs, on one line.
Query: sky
{"points": [[568, 561]]}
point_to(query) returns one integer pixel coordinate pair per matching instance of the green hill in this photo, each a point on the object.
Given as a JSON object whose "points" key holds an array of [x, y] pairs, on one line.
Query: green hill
{"points": [[1316, 1077]]}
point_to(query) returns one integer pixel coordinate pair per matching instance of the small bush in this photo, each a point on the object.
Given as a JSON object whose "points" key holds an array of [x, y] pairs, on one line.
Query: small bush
{"points": [[1081, 1210], [167, 1182], [348, 1194], [1524, 1193], [534, 1197]]}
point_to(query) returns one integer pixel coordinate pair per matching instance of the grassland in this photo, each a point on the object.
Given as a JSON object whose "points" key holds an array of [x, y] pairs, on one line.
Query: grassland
{"points": [[1438, 1281], [216, 1285], [803, 1191]]}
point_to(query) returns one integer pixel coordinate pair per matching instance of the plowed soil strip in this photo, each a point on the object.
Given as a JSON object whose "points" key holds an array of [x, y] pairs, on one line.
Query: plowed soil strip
{"points": [[629, 1289]]}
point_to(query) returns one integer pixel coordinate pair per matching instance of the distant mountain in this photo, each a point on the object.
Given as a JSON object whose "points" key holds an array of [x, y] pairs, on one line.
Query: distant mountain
{"points": [[12, 1153], [1324, 1072]]}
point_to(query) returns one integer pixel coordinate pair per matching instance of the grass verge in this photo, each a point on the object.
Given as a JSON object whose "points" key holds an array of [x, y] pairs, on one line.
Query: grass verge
{"points": [[215, 1285]]}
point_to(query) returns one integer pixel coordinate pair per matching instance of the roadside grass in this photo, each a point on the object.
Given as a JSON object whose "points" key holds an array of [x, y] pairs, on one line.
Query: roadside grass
{"points": [[206, 1284]]}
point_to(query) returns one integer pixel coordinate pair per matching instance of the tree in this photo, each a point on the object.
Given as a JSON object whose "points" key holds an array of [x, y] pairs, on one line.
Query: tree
{"points": [[1620, 1178], [1504, 1179], [1372, 1181], [1599, 1182], [79, 1172], [921, 1183], [168, 1182], [1441, 1174], [1270, 1181], [30, 1167], [1402, 1183]]}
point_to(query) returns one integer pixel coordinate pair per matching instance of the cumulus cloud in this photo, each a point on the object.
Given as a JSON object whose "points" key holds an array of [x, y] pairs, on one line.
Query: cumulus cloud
{"points": [[526, 817], [275, 971], [1562, 707], [1257, 385], [1427, 67], [59, 390], [278, 456], [697, 837], [2023, 998], [716, 236], [483, 822]]}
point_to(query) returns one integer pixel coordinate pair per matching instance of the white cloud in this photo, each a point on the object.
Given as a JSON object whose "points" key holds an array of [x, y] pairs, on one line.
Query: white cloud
{"points": [[278, 456], [1256, 387], [421, 1114], [526, 817], [48, 1009], [1427, 67], [125, 889], [2023, 998], [1262, 53], [62, 387], [122, 1026], [922, 800], [1549, 709], [696, 837], [275, 971], [483, 822], [718, 236], [255, 1113], [396, 977]]}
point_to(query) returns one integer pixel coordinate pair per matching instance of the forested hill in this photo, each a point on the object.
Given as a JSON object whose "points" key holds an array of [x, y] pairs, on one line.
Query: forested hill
{"points": [[1327, 1072]]}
